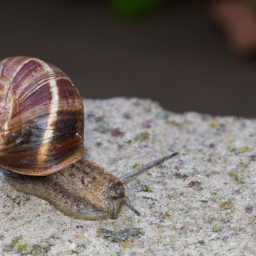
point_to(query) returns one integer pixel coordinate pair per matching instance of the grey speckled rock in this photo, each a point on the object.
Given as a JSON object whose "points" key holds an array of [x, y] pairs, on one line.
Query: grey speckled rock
{"points": [[201, 202]]}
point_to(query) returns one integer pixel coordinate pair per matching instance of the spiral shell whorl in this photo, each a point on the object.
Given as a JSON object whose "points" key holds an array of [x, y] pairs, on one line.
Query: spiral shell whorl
{"points": [[41, 117]]}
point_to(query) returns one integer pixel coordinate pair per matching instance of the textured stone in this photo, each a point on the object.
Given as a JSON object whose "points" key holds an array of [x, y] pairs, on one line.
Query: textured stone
{"points": [[200, 202]]}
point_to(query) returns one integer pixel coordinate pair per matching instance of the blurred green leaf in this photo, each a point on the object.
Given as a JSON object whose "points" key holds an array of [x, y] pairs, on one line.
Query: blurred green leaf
{"points": [[133, 9]]}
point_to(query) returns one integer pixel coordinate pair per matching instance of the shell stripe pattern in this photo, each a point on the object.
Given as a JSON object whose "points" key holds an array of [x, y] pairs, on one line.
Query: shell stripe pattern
{"points": [[53, 109], [41, 117]]}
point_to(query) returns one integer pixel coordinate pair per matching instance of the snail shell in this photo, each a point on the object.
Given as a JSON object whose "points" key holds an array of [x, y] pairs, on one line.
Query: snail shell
{"points": [[41, 117]]}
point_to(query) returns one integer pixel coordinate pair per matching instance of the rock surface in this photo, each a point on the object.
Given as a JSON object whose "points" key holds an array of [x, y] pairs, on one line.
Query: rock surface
{"points": [[201, 202]]}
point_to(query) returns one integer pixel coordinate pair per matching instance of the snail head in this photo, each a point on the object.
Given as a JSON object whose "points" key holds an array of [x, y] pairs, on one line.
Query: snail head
{"points": [[115, 197]]}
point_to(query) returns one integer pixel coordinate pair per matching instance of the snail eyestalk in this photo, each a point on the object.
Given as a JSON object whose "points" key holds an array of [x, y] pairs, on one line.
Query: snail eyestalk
{"points": [[144, 168], [130, 207]]}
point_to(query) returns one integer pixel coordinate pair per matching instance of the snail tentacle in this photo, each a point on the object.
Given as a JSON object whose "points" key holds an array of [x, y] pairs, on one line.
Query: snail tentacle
{"points": [[135, 172]]}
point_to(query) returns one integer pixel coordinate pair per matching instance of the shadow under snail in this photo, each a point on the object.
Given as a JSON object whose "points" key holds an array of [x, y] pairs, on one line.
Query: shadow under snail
{"points": [[41, 143]]}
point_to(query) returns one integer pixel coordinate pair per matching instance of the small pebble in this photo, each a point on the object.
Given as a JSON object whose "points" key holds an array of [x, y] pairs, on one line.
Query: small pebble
{"points": [[117, 133], [72, 246], [253, 157], [248, 208]]}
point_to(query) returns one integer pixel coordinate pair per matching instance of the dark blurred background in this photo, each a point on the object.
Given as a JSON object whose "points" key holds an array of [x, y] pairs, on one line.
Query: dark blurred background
{"points": [[172, 53]]}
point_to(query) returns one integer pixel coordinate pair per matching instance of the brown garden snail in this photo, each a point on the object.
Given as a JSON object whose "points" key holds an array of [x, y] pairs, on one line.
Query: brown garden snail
{"points": [[41, 143]]}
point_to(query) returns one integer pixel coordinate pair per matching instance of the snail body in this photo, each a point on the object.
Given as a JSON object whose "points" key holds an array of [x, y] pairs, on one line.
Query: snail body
{"points": [[83, 190], [41, 142]]}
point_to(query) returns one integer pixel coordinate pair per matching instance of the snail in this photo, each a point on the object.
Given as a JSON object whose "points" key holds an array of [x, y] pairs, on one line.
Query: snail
{"points": [[41, 143]]}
